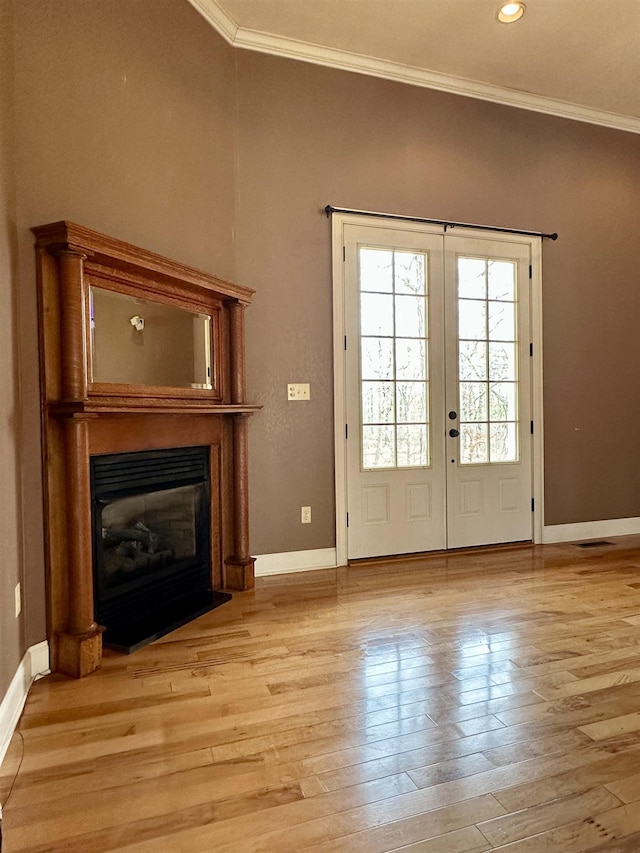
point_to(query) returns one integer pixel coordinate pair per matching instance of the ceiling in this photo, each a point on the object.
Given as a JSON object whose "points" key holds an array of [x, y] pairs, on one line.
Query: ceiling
{"points": [[574, 58]]}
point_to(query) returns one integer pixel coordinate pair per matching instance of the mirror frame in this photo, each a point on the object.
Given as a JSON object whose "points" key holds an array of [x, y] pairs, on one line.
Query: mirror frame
{"points": [[107, 280]]}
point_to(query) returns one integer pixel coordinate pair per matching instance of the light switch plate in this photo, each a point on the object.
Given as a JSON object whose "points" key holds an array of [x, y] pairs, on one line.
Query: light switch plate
{"points": [[298, 391]]}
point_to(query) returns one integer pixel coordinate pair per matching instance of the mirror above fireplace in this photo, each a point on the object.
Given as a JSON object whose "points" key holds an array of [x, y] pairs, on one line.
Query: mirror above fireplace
{"points": [[139, 341]]}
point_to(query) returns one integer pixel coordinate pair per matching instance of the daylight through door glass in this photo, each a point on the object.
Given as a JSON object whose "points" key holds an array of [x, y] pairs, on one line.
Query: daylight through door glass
{"points": [[394, 378], [487, 360]]}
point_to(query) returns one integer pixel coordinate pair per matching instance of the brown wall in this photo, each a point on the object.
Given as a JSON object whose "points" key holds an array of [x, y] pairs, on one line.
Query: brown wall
{"points": [[12, 646], [309, 136], [124, 124]]}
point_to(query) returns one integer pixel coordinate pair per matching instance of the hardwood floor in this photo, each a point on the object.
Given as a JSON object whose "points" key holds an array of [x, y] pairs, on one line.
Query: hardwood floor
{"points": [[454, 704]]}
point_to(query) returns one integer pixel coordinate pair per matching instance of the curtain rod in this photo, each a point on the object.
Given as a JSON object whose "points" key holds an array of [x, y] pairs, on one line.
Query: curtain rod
{"points": [[329, 209]]}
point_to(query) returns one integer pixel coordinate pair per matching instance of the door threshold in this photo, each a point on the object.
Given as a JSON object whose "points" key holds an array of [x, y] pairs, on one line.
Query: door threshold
{"points": [[425, 555]]}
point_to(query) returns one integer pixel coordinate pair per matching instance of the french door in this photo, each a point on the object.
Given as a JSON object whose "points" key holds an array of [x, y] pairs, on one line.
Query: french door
{"points": [[437, 389]]}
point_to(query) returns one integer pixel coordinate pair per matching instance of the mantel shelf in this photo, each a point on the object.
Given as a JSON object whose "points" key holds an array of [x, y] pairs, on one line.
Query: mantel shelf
{"points": [[148, 406]]}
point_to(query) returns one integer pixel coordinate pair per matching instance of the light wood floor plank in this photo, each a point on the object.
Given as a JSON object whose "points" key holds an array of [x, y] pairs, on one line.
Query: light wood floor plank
{"points": [[581, 835], [467, 840], [618, 764], [627, 790], [612, 727], [403, 706], [547, 816]]}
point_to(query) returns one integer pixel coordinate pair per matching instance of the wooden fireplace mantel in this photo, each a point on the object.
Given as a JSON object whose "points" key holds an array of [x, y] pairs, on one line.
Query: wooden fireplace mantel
{"points": [[84, 414]]}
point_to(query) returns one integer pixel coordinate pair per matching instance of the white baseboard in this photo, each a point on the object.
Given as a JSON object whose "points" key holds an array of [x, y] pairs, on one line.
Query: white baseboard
{"points": [[295, 561], [326, 558], [34, 664], [590, 530]]}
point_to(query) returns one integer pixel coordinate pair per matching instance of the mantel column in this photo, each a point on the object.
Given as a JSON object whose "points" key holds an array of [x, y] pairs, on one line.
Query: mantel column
{"points": [[238, 380], [79, 648], [239, 570], [72, 325]]}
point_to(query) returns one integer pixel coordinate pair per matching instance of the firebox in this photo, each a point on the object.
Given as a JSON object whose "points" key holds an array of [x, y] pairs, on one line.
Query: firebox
{"points": [[151, 513]]}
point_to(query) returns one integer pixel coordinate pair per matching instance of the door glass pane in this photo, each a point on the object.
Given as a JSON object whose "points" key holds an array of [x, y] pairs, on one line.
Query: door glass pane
{"points": [[411, 359], [377, 403], [472, 319], [412, 446], [502, 362], [473, 444], [411, 316], [503, 442], [472, 357], [410, 273], [472, 282], [411, 402], [377, 358], [376, 270], [473, 401], [393, 358], [376, 314], [378, 446], [487, 360], [502, 280], [502, 321], [502, 401]]}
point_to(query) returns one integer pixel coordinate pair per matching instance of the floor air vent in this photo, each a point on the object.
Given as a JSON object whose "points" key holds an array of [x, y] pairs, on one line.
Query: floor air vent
{"points": [[597, 543]]}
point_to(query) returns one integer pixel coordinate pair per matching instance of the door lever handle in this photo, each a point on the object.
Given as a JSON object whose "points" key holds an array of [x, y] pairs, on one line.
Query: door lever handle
{"points": [[454, 433]]}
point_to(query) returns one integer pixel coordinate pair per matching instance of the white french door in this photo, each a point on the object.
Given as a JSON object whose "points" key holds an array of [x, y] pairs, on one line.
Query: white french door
{"points": [[437, 389], [395, 385], [488, 388]]}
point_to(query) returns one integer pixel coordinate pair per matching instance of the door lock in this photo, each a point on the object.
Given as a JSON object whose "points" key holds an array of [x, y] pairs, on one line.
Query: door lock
{"points": [[453, 416]]}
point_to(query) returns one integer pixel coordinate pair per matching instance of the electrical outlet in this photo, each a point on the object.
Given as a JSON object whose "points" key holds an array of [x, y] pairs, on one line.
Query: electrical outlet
{"points": [[298, 391], [17, 595], [305, 515]]}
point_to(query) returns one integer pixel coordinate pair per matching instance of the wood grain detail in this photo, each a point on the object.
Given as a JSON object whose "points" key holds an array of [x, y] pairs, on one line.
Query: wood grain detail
{"points": [[410, 706]]}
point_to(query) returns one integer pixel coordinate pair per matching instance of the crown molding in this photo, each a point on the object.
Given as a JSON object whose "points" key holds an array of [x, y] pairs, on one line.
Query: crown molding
{"points": [[247, 39], [212, 12]]}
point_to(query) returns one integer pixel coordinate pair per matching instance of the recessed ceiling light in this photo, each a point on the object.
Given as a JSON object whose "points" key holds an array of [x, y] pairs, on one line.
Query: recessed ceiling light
{"points": [[508, 13]]}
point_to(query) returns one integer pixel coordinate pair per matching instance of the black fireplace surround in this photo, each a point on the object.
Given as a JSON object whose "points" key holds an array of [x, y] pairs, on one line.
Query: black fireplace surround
{"points": [[151, 514]]}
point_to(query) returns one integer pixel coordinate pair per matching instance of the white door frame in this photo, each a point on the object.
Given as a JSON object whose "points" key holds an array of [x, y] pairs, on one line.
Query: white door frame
{"points": [[339, 220]]}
